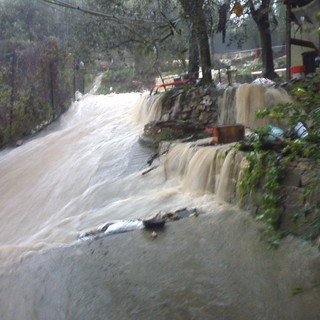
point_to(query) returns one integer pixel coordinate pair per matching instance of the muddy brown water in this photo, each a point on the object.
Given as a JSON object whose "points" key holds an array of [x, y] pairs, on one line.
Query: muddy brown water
{"points": [[210, 267], [86, 172]]}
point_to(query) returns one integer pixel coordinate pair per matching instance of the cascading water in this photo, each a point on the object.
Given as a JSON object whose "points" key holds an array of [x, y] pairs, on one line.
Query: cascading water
{"points": [[85, 172], [148, 108], [240, 104], [235, 105], [72, 178], [227, 108], [250, 98], [209, 169]]}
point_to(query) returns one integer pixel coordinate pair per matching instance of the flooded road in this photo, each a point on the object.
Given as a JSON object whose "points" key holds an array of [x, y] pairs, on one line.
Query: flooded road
{"points": [[86, 172], [210, 267]]}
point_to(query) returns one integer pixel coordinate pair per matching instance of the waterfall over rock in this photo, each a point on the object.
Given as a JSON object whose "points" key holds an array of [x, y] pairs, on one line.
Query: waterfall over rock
{"points": [[227, 107], [250, 98], [211, 169], [148, 108], [233, 105]]}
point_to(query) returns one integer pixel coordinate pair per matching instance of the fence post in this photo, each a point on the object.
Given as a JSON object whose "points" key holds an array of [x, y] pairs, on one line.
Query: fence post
{"points": [[52, 89], [13, 89], [75, 86], [288, 41]]}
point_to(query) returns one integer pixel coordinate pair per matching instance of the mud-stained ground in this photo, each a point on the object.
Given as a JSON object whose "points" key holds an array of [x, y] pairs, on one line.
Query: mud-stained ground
{"points": [[209, 267]]}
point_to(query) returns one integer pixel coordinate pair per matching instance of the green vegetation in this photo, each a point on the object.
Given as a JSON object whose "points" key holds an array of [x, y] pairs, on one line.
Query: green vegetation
{"points": [[166, 134], [266, 166], [36, 86], [118, 81], [265, 172], [251, 68]]}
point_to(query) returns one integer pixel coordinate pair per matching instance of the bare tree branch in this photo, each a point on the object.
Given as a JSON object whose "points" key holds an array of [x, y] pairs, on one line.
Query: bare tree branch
{"points": [[97, 13]]}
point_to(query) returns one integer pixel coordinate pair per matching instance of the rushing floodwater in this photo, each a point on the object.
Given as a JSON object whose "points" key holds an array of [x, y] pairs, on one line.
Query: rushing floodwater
{"points": [[86, 172]]}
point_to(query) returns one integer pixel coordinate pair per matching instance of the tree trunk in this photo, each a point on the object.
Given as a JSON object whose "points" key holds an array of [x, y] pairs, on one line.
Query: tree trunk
{"points": [[139, 63], [204, 48], [193, 52], [267, 53], [194, 12], [261, 18]]}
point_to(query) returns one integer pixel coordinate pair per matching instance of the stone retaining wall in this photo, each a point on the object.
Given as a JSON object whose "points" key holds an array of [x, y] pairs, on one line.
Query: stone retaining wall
{"points": [[194, 104], [298, 214]]}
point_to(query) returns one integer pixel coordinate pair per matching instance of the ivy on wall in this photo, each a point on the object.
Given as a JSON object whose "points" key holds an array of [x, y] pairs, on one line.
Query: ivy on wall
{"points": [[266, 162]]}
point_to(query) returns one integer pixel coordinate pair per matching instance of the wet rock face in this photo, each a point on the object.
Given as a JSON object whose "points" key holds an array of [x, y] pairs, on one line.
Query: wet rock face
{"points": [[195, 104], [185, 113]]}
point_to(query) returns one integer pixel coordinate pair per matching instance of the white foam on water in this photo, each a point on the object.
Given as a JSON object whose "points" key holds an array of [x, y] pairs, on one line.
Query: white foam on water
{"points": [[84, 173]]}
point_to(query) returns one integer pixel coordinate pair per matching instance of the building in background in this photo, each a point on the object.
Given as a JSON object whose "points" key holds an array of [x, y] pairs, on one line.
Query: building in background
{"points": [[303, 41]]}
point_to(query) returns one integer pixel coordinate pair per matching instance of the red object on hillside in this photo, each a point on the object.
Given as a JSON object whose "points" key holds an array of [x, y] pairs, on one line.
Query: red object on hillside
{"points": [[297, 72], [175, 83], [297, 69]]}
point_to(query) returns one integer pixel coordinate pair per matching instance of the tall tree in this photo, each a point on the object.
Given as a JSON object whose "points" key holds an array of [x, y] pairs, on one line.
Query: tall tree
{"points": [[137, 29], [260, 13], [194, 62], [195, 14]]}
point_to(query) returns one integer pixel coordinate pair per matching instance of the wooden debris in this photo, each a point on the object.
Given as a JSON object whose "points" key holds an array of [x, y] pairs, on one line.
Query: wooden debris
{"points": [[149, 162], [227, 133], [147, 171]]}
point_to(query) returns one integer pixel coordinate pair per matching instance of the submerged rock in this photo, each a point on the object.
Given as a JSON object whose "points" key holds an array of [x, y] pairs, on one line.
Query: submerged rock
{"points": [[19, 143], [154, 235]]}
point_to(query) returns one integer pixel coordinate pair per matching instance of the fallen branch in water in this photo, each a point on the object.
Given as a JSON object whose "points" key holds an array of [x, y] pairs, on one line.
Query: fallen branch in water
{"points": [[155, 156], [147, 171], [149, 162]]}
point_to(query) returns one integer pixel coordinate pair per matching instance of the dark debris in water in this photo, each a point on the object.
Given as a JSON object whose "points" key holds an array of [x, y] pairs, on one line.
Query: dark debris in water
{"points": [[175, 215], [157, 221]]}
